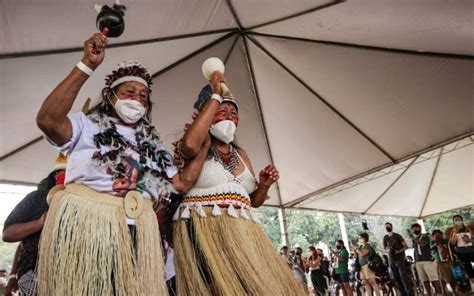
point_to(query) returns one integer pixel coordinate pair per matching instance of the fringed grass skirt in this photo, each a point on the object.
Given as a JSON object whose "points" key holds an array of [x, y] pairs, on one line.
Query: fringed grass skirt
{"points": [[222, 255], [87, 248]]}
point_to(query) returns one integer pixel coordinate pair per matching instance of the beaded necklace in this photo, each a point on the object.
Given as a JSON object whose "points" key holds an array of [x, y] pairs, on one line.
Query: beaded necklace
{"points": [[153, 159], [229, 160]]}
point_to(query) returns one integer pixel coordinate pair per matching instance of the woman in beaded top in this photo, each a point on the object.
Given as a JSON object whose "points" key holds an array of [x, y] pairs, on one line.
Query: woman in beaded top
{"points": [[220, 248]]}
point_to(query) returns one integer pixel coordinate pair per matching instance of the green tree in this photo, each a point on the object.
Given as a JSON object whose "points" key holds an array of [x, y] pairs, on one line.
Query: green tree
{"points": [[268, 216], [444, 221]]}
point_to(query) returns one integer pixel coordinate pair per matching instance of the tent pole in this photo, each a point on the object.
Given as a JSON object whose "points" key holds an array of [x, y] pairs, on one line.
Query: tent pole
{"points": [[431, 182], [323, 100], [423, 228], [302, 199], [259, 107], [391, 185], [342, 225], [283, 226], [311, 10]]}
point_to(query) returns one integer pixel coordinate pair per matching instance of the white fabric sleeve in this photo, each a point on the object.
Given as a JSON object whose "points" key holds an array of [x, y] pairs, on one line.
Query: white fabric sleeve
{"points": [[171, 171], [77, 122]]}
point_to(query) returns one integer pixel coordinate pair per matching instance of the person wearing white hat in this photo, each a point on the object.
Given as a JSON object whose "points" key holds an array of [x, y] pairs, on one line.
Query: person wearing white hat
{"points": [[102, 236]]}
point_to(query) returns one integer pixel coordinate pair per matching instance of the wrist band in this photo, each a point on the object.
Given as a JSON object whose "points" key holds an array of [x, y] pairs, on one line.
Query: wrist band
{"points": [[217, 98], [12, 276], [84, 68]]}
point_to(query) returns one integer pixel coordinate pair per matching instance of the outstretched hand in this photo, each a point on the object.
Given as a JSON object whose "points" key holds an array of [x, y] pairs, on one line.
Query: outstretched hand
{"points": [[268, 176], [94, 50]]}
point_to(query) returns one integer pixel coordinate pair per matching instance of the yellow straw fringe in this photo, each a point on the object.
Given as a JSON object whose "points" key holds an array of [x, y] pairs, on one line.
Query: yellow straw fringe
{"points": [[235, 253], [86, 248]]}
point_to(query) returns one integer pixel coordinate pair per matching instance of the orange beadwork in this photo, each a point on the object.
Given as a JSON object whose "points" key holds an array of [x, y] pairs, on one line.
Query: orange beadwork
{"points": [[221, 199]]}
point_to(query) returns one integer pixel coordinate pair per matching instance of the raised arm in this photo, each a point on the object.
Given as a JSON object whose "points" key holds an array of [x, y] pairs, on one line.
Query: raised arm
{"points": [[199, 129], [185, 180], [52, 116]]}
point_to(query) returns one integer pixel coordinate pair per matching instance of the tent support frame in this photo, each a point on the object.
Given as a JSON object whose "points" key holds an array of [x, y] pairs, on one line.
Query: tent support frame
{"points": [[115, 45], [435, 170], [191, 55], [311, 10], [324, 101], [283, 226], [259, 107], [299, 200], [367, 47], [391, 185]]}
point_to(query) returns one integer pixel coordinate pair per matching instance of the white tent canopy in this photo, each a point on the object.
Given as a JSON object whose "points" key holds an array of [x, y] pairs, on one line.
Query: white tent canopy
{"points": [[365, 106]]}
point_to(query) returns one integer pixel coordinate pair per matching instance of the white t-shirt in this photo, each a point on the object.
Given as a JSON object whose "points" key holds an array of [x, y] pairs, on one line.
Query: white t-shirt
{"points": [[82, 169]]}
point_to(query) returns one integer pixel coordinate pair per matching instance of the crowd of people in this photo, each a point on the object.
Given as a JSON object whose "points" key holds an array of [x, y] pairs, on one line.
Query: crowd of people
{"points": [[442, 263]]}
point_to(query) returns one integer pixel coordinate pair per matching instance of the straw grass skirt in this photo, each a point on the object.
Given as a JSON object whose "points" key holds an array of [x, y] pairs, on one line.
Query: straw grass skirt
{"points": [[86, 247], [223, 255]]}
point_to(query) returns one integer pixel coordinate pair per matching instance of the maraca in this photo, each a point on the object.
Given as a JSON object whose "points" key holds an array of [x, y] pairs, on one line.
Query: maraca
{"points": [[210, 66], [110, 21]]}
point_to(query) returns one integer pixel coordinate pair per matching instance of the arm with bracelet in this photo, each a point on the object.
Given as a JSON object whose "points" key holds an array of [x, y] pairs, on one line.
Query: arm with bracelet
{"points": [[52, 117], [199, 129], [12, 284]]}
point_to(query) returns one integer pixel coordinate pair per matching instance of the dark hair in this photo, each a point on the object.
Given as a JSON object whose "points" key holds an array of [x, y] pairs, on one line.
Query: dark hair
{"points": [[389, 224], [415, 225], [365, 236], [314, 252], [437, 231], [340, 241], [458, 216], [283, 248]]}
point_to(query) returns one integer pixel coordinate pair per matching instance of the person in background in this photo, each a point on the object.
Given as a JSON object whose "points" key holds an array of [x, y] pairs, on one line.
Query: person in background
{"points": [[286, 256], [298, 266], [386, 278], [325, 266], [395, 246], [424, 264], [441, 253], [342, 267], [25, 224], [462, 239], [316, 272], [364, 250]]}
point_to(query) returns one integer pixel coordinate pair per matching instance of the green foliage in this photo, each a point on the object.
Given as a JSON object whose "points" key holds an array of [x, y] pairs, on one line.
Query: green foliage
{"points": [[307, 228], [376, 225], [270, 223], [445, 221]]}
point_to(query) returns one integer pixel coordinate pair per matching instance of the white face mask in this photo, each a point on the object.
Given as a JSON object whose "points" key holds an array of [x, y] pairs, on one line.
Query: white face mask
{"points": [[224, 130], [130, 111]]}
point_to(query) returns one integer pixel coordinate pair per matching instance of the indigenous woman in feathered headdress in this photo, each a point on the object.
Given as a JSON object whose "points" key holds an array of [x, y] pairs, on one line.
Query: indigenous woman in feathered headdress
{"points": [[101, 236], [219, 247]]}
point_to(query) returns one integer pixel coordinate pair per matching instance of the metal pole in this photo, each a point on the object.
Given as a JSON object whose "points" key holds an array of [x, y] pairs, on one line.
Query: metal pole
{"points": [[342, 225], [423, 229], [283, 227]]}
